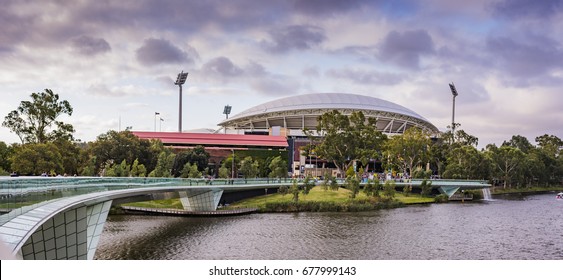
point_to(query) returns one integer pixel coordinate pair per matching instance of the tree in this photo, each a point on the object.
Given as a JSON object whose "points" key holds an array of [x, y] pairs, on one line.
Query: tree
{"points": [[138, 170], [36, 159], [197, 156], [164, 164], [466, 162], [348, 138], [520, 142], [190, 171], [118, 146], [278, 167], [389, 189], [36, 121], [353, 184], [5, 151], [409, 149], [506, 162], [224, 172], [249, 167]]}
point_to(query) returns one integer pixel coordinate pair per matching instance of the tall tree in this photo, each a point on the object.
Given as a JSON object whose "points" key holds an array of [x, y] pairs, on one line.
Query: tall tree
{"points": [[36, 121], [409, 149], [347, 139], [506, 162], [249, 167], [278, 167]]}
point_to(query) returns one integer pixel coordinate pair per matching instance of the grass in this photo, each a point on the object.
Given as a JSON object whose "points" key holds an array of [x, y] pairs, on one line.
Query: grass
{"points": [[328, 199], [500, 190]]}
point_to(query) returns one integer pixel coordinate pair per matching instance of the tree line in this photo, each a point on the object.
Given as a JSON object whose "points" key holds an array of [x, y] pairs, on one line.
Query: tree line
{"points": [[354, 139], [48, 147]]}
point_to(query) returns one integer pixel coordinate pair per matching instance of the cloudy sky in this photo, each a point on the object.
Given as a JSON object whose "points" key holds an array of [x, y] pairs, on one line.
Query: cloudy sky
{"points": [[116, 61]]}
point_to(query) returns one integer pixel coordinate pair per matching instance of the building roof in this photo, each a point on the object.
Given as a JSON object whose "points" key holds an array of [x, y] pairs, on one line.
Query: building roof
{"points": [[317, 103], [214, 139], [327, 101]]}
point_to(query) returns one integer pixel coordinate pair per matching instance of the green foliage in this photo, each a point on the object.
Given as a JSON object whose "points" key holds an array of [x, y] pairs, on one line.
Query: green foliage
{"points": [[348, 138], [308, 184], [138, 170], [350, 172], [371, 189], [283, 190], [294, 191], [197, 156], [224, 172], [353, 184], [278, 168], [407, 189], [389, 189], [118, 146], [5, 152], [190, 171], [37, 158], [426, 188], [164, 165], [441, 198], [36, 121], [407, 150], [249, 167]]}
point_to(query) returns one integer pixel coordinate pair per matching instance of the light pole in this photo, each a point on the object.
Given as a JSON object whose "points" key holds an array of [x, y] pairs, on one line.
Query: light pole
{"points": [[233, 164], [454, 93], [161, 120], [155, 114], [226, 112], [180, 81]]}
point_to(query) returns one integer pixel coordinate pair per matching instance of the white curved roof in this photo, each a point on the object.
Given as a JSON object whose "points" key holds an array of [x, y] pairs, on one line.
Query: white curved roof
{"points": [[324, 102], [328, 101]]}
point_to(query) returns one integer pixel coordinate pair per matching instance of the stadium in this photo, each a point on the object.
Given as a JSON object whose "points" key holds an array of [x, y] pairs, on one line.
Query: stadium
{"points": [[291, 115]]}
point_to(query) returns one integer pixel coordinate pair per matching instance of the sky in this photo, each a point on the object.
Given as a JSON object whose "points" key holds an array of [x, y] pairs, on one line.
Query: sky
{"points": [[116, 61]]}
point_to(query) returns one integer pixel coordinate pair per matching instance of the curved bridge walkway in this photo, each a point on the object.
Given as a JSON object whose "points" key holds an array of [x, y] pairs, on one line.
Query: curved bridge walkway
{"points": [[63, 218]]}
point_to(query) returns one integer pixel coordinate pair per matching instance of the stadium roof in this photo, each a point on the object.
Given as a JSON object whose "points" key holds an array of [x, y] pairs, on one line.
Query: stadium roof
{"points": [[286, 112]]}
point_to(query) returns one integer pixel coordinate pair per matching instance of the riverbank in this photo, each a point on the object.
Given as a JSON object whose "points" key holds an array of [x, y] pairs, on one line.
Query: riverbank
{"points": [[531, 190], [318, 200]]}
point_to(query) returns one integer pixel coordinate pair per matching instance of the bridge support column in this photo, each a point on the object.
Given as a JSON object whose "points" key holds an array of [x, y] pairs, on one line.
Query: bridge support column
{"points": [[73, 234], [449, 191], [200, 200]]}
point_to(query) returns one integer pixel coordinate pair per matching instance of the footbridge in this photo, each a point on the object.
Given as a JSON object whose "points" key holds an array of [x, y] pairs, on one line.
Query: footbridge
{"points": [[63, 218]]}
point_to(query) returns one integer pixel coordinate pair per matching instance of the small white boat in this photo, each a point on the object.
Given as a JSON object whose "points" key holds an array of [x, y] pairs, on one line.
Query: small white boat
{"points": [[559, 195]]}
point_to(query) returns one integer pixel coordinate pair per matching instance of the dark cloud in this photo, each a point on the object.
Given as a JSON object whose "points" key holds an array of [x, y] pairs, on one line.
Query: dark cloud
{"points": [[525, 61], [295, 37], [405, 49], [160, 51], [517, 9], [87, 45], [365, 77], [327, 7], [221, 67]]}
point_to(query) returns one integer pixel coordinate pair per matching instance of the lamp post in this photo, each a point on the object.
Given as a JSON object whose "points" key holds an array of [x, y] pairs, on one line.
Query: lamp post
{"points": [[226, 112], [233, 164], [454, 93], [155, 114], [179, 82], [161, 120]]}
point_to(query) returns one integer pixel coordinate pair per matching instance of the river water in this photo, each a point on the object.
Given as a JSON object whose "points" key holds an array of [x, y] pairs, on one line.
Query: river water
{"points": [[513, 228]]}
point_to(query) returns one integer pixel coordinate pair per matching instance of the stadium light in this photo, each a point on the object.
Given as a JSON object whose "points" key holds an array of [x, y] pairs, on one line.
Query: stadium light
{"points": [[179, 82], [454, 94], [227, 110]]}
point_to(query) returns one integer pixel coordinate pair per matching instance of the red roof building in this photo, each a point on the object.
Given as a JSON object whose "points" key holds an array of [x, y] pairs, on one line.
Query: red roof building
{"points": [[215, 140]]}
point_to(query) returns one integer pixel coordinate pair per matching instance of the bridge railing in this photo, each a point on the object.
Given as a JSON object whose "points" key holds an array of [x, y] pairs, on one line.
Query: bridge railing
{"points": [[22, 194]]}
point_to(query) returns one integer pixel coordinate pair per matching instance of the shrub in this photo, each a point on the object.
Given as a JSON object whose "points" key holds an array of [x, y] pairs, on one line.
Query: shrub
{"points": [[441, 198]]}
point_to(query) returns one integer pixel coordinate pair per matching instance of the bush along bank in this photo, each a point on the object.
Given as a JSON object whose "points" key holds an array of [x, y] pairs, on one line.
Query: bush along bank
{"points": [[329, 206]]}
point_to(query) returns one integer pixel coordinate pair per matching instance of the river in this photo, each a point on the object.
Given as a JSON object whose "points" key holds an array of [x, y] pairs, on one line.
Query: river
{"points": [[510, 227]]}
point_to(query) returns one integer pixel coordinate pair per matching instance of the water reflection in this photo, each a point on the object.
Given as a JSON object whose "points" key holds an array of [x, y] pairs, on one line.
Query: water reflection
{"points": [[530, 228]]}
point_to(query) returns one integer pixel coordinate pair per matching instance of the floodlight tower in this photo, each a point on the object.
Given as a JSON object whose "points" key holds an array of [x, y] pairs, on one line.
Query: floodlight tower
{"points": [[180, 81], [226, 112], [454, 93]]}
